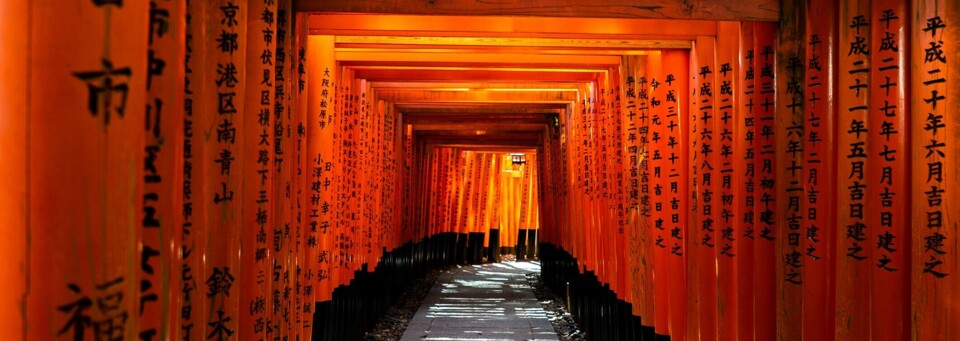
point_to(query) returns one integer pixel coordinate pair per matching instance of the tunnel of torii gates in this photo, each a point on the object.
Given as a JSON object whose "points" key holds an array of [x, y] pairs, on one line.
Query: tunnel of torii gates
{"points": [[277, 169]]}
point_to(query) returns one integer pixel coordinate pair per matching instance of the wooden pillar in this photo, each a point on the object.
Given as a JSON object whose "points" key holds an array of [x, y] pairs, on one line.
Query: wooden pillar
{"points": [[706, 187], [162, 166], [349, 191], [853, 247], [322, 169], [934, 126], [225, 72], [87, 94], [197, 93], [658, 163], [262, 243], [745, 184], [727, 227], [765, 282], [789, 124], [644, 211], [631, 156], [888, 156], [296, 88], [14, 125], [819, 171], [676, 81], [693, 232]]}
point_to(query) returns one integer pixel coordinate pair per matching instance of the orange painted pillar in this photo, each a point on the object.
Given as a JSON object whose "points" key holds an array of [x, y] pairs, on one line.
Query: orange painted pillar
{"points": [[765, 279], [575, 244], [364, 161], [497, 194], [482, 170], [454, 171], [425, 195], [457, 190], [631, 160], [369, 135], [605, 177], [337, 254], [14, 56], [342, 84], [292, 106], [321, 167], [615, 226], [532, 182], [581, 226], [789, 130], [448, 189], [438, 191], [345, 241], [287, 163], [552, 191], [676, 83], [819, 178], [422, 163], [512, 209], [85, 155], [406, 194], [516, 207], [935, 258], [483, 217], [658, 166], [443, 187], [694, 217], [261, 243], [887, 202], [415, 197], [374, 190], [197, 91], [745, 180], [481, 193], [708, 151], [224, 112], [296, 90], [617, 189], [428, 198], [608, 181], [602, 249], [598, 209], [490, 218], [728, 229], [469, 192], [587, 228], [853, 248], [162, 167]]}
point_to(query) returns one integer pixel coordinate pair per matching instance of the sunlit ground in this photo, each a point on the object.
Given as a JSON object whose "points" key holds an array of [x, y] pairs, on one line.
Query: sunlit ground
{"points": [[482, 302]]}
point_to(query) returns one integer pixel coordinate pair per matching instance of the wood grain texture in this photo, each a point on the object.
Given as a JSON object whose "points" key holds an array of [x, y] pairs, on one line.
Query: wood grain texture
{"points": [[14, 56]]}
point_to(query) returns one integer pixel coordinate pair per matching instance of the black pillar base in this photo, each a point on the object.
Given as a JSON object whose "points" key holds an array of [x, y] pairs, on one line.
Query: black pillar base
{"points": [[356, 307], [521, 247], [532, 246], [493, 249], [593, 305]]}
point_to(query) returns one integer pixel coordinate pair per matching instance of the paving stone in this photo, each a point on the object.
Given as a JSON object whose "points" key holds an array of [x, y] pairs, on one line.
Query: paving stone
{"points": [[490, 302]]}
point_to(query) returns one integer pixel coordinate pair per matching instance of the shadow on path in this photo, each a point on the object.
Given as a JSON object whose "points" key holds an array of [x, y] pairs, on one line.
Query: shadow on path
{"points": [[492, 302]]}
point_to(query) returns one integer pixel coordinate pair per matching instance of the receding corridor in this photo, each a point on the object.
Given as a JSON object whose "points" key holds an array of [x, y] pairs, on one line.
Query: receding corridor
{"points": [[285, 170]]}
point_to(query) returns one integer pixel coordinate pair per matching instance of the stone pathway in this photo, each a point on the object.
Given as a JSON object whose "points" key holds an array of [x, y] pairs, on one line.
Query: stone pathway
{"points": [[490, 302]]}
